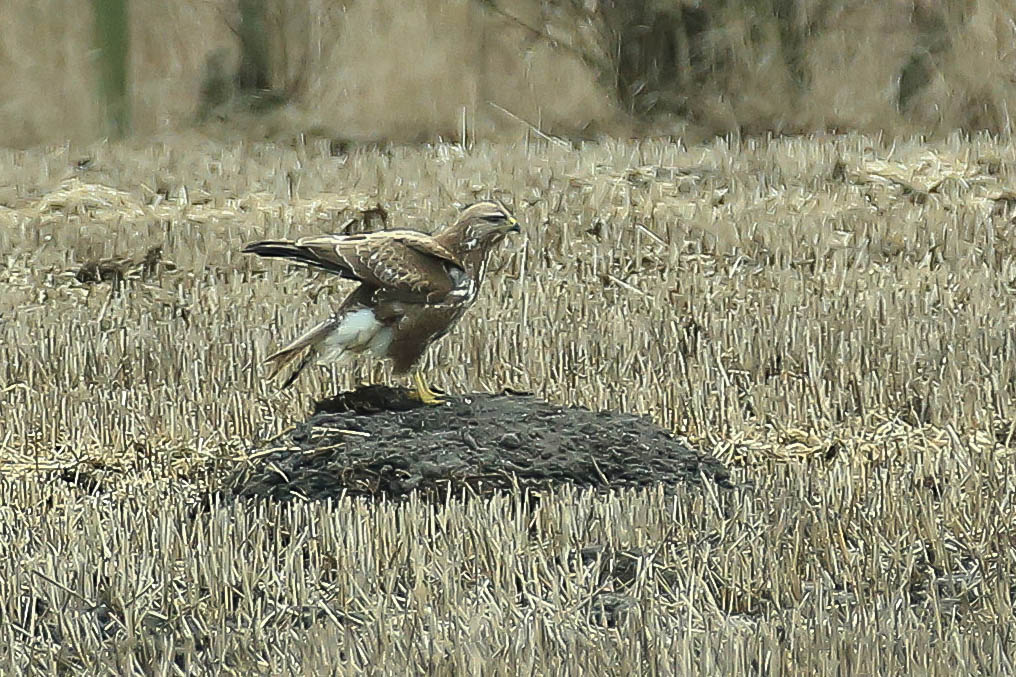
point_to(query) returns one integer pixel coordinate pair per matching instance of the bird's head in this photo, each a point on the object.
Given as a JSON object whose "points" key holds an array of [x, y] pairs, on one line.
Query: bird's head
{"points": [[484, 224]]}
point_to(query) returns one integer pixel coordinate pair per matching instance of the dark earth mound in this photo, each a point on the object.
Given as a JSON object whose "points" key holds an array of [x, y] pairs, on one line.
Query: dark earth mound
{"points": [[378, 442]]}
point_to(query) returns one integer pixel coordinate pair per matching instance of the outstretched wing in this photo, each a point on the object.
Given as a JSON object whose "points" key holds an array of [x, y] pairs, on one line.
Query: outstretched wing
{"points": [[407, 262]]}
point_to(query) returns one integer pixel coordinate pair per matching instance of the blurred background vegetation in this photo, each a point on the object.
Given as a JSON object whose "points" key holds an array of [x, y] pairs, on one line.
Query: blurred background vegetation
{"points": [[405, 70]]}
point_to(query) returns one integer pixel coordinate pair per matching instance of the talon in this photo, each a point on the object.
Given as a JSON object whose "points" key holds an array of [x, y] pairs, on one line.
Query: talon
{"points": [[423, 391]]}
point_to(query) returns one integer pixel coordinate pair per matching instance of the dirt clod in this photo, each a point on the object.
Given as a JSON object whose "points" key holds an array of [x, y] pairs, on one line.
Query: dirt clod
{"points": [[379, 442]]}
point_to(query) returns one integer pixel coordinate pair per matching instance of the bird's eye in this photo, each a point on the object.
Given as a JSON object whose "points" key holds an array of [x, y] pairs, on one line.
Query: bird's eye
{"points": [[497, 218]]}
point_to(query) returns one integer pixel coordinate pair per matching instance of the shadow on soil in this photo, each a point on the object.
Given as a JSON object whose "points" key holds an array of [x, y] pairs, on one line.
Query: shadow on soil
{"points": [[377, 442]]}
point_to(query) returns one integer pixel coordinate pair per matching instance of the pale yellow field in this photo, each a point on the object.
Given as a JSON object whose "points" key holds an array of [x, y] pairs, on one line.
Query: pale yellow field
{"points": [[831, 317]]}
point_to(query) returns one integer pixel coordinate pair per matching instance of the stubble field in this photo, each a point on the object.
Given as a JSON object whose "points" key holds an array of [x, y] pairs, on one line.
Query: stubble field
{"points": [[831, 317]]}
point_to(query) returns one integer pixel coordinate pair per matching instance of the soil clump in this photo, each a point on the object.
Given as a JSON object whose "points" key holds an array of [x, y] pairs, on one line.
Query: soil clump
{"points": [[378, 442]]}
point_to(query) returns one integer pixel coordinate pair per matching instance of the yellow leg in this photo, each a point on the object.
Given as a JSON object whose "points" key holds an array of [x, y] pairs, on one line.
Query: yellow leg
{"points": [[423, 392]]}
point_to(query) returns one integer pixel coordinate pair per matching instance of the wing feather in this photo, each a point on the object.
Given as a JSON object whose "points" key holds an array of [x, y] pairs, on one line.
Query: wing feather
{"points": [[403, 261]]}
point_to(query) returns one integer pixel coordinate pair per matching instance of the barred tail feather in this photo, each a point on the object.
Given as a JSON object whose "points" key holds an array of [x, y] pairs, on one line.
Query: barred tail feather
{"points": [[306, 345]]}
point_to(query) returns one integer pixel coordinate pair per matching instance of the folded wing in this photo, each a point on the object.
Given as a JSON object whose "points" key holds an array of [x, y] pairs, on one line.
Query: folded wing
{"points": [[409, 263]]}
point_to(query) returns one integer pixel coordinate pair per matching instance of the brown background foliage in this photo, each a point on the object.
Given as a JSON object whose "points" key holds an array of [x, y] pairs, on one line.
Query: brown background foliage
{"points": [[406, 70]]}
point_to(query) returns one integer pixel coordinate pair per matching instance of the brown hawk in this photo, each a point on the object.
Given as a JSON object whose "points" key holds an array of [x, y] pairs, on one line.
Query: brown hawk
{"points": [[413, 288]]}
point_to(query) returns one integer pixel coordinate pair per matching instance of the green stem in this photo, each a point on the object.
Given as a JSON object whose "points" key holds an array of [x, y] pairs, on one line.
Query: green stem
{"points": [[113, 42]]}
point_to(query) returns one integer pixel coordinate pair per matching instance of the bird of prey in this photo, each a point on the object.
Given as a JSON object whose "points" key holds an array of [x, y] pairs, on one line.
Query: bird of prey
{"points": [[413, 288]]}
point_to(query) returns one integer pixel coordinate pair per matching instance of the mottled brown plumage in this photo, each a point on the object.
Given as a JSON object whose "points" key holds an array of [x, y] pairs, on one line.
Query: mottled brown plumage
{"points": [[413, 287]]}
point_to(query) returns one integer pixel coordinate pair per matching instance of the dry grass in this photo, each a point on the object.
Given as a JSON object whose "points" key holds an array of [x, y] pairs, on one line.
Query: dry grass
{"points": [[853, 59], [813, 575], [366, 70], [831, 316], [411, 69]]}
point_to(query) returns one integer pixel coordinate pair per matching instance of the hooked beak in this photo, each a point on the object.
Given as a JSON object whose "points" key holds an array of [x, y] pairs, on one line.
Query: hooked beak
{"points": [[514, 225]]}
